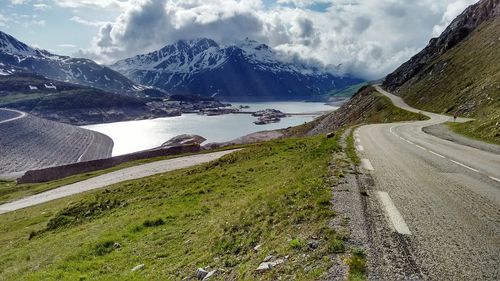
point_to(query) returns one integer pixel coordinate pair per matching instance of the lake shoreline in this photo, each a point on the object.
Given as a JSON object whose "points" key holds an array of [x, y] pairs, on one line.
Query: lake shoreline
{"points": [[137, 135]]}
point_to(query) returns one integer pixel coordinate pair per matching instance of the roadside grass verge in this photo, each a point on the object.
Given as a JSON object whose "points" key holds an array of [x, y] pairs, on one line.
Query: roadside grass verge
{"points": [[386, 112], [10, 190], [351, 147], [483, 130], [275, 194], [357, 265]]}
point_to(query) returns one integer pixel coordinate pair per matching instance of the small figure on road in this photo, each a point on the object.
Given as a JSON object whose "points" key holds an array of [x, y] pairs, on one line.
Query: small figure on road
{"points": [[455, 117]]}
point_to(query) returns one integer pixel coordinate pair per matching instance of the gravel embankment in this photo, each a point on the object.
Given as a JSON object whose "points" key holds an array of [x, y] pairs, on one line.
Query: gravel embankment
{"points": [[31, 143]]}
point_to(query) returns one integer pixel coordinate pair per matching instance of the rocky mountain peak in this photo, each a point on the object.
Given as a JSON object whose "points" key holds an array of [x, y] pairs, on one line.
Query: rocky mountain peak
{"points": [[457, 31]]}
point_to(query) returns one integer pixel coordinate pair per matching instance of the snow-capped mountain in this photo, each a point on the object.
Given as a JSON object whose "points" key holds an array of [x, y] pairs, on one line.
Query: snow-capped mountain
{"points": [[246, 70], [15, 56]]}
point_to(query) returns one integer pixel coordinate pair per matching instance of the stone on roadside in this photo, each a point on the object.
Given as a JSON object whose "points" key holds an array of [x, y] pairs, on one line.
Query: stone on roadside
{"points": [[268, 258], [201, 273], [210, 274], [117, 245], [314, 244], [137, 267], [263, 267]]}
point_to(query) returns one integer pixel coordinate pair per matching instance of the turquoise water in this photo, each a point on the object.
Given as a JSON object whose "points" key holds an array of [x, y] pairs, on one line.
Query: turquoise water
{"points": [[131, 136]]}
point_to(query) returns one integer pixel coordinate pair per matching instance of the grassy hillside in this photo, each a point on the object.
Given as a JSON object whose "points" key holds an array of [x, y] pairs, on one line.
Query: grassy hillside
{"points": [[464, 80], [275, 194], [349, 91], [366, 106]]}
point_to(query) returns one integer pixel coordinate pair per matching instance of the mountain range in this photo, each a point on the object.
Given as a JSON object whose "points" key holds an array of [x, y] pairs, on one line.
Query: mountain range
{"points": [[16, 56], [246, 70]]}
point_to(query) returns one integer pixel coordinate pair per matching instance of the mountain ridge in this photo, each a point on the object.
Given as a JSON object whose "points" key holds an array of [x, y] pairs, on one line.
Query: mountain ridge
{"points": [[16, 56], [458, 30], [458, 73], [247, 69]]}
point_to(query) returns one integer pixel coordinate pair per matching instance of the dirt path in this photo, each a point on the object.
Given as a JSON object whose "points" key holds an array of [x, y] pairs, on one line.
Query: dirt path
{"points": [[131, 173]]}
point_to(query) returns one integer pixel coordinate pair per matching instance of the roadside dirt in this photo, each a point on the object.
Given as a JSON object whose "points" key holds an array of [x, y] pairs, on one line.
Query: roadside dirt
{"points": [[361, 219]]}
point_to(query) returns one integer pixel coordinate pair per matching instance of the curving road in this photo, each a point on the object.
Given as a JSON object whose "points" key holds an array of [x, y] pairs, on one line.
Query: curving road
{"points": [[131, 173], [440, 200], [8, 115]]}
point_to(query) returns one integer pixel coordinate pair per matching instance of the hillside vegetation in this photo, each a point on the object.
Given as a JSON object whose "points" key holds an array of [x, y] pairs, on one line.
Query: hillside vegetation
{"points": [[276, 195], [465, 80], [270, 199], [367, 106]]}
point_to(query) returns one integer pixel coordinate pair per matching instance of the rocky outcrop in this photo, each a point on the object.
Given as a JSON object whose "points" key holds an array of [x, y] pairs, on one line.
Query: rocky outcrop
{"points": [[457, 31], [351, 112], [184, 140], [268, 116]]}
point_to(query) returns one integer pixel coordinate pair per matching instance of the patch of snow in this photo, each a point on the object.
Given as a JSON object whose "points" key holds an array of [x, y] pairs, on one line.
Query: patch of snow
{"points": [[4, 72], [51, 86], [33, 87]]}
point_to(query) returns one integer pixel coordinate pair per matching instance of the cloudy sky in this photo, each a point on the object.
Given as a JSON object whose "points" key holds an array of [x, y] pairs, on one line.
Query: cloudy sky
{"points": [[368, 38]]}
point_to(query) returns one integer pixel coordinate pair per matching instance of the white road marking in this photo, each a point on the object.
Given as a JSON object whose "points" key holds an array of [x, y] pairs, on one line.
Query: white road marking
{"points": [[394, 215], [402, 138], [465, 166], [421, 147], [437, 154], [493, 178], [367, 165], [360, 148], [410, 142]]}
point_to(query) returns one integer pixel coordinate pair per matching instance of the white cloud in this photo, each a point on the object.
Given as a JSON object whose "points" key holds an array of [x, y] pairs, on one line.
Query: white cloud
{"points": [[17, 2], [67, 46], [41, 7], [367, 38], [87, 22], [452, 10], [3, 20], [95, 3]]}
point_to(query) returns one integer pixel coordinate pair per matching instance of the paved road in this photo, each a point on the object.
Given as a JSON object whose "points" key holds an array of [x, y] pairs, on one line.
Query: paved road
{"points": [[19, 116], [112, 178], [441, 200]]}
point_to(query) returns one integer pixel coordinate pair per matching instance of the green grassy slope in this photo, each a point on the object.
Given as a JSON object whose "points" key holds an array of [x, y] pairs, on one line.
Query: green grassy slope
{"points": [[464, 80], [366, 106], [349, 91], [275, 194]]}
